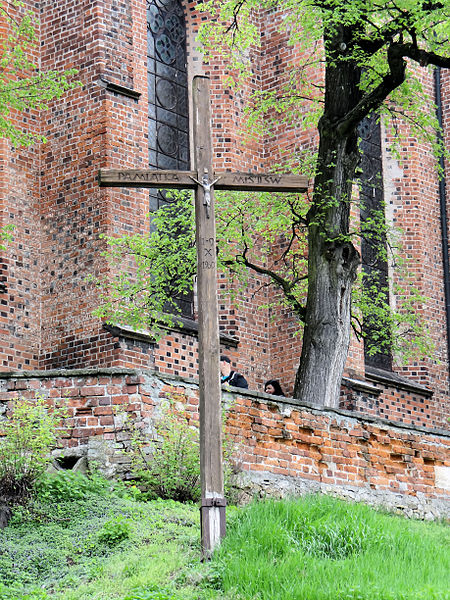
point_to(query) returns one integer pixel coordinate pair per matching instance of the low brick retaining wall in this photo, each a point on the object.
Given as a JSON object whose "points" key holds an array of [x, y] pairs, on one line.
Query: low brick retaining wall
{"points": [[283, 446]]}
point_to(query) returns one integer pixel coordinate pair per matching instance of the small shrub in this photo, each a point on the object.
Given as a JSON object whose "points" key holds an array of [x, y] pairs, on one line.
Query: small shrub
{"points": [[70, 485], [114, 531], [29, 434], [171, 468]]}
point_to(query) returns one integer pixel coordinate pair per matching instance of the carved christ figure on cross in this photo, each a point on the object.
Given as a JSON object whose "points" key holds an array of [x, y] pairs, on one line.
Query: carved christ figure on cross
{"points": [[207, 186]]}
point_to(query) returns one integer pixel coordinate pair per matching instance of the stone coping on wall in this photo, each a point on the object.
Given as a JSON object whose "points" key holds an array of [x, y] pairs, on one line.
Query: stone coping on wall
{"points": [[183, 325], [394, 380], [42, 374], [280, 401], [361, 386], [295, 403], [122, 90]]}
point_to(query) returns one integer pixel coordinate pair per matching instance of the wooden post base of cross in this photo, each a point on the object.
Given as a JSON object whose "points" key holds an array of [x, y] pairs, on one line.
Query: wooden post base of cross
{"points": [[212, 523]]}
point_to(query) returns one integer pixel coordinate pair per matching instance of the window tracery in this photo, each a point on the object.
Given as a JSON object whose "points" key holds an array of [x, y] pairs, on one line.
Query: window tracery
{"points": [[168, 109]]}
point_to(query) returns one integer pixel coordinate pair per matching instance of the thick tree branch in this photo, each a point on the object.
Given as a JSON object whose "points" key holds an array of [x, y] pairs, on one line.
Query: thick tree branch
{"points": [[424, 57], [371, 101], [397, 53]]}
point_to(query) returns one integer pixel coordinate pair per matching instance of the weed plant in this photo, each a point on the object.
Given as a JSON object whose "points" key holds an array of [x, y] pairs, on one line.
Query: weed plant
{"points": [[171, 468], [28, 435], [168, 466], [73, 485], [318, 548]]}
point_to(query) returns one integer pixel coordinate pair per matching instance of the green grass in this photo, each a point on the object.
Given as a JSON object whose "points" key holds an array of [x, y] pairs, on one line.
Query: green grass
{"points": [[318, 548], [84, 541]]}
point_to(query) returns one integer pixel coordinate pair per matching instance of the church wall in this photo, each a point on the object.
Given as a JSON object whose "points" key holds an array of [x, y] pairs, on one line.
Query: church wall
{"points": [[60, 212], [90, 128], [412, 199], [73, 211], [281, 446], [20, 261]]}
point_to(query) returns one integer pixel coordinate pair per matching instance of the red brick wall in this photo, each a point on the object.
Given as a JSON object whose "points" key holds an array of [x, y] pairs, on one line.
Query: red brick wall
{"points": [[20, 304], [398, 401], [337, 449], [89, 129], [411, 187]]}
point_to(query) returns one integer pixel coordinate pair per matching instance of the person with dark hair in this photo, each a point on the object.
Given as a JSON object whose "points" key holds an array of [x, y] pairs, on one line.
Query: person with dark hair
{"points": [[273, 387], [229, 376]]}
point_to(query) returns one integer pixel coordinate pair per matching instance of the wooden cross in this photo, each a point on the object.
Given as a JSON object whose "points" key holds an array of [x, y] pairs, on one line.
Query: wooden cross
{"points": [[203, 180]]}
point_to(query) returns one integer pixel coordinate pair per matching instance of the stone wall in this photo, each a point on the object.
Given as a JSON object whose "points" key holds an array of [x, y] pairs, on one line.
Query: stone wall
{"points": [[282, 447]]}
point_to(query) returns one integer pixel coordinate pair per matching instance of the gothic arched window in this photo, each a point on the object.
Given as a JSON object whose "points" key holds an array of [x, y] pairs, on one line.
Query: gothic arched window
{"points": [[168, 125], [373, 243], [168, 109]]}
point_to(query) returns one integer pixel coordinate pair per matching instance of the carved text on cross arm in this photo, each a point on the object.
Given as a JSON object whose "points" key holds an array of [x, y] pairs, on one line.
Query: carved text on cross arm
{"points": [[156, 177], [255, 179]]}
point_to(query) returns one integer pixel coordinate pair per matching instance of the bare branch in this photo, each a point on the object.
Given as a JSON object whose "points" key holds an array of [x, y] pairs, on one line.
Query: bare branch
{"points": [[285, 285]]}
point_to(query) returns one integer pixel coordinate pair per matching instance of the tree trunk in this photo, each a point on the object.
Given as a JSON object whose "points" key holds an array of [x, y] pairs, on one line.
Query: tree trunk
{"points": [[5, 515], [332, 267], [332, 258]]}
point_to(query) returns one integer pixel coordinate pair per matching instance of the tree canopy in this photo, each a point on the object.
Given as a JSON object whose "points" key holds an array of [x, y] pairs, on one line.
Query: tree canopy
{"points": [[23, 85], [370, 55]]}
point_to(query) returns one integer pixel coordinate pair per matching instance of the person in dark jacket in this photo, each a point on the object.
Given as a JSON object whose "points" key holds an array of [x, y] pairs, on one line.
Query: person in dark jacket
{"points": [[229, 376], [273, 387]]}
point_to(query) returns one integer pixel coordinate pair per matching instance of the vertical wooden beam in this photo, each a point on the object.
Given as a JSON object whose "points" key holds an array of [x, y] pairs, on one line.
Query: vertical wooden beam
{"points": [[213, 500]]}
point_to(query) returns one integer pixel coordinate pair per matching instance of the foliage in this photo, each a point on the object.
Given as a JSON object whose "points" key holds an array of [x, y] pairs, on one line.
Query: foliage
{"points": [[30, 432], [66, 485], [150, 593], [5, 235], [13, 593], [252, 237], [23, 86], [420, 32], [54, 548], [403, 332], [161, 276], [114, 531], [168, 465]]}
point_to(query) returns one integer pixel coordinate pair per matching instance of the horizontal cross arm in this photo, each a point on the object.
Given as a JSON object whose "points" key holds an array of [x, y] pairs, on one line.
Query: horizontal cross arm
{"points": [[153, 178], [261, 182]]}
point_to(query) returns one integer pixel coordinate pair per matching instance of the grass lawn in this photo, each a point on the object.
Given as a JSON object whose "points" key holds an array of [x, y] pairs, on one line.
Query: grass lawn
{"points": [[318, 548], [84, 541]]}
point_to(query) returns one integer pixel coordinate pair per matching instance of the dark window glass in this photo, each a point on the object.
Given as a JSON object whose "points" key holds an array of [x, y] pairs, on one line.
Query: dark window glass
{"points": [[168, 125], [373, 243]]}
